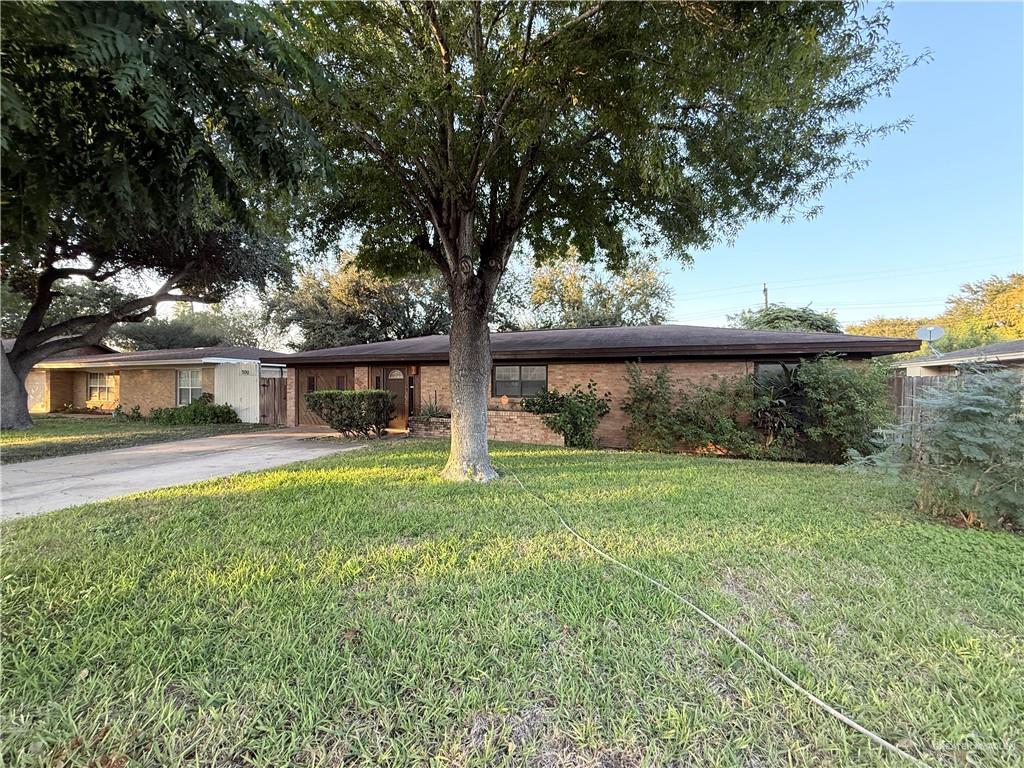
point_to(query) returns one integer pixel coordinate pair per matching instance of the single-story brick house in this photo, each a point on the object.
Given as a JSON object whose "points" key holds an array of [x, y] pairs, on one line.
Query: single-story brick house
{"points": [[150, 379], [524, 362], [1008, 354]]}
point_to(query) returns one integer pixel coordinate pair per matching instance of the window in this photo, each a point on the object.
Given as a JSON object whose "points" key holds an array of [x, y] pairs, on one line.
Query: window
{"points": [[311, 383], [190, 385], [339, 382], [773, 373], [519, 380], [101, 386]]}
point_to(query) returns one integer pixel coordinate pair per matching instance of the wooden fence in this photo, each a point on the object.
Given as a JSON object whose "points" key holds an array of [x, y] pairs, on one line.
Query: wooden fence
{"points": [[273, 401], [906, 391]]}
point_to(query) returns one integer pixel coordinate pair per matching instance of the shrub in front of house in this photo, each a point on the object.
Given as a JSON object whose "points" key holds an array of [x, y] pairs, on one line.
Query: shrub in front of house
{"points": [[819, 410], [573, 415], [434, 411], [966, 453], [120, 414], [202, 410], [840, 408], [356, 413], [650, 407]]}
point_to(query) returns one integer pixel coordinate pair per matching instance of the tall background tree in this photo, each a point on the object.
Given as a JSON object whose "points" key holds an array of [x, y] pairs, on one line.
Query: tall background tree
{"points": [[233, 323], [983, 312], [138, 141], [459, 130], [343, 304], [778, 317], [573, 294]]}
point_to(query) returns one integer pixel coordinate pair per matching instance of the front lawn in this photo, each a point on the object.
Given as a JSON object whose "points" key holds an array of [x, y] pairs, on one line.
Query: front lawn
{"points": [[357, 611], [56, 435]]}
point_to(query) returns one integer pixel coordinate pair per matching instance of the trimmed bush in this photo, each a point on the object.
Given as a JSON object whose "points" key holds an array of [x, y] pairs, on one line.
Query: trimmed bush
{"points": [[574, 415], [353, 412], [199, 411]]}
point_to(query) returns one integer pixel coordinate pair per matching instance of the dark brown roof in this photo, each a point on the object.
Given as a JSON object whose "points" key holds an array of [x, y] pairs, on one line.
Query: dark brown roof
{"points": [[169, 355], [89, 349], [648, 341], [1001, 350]]}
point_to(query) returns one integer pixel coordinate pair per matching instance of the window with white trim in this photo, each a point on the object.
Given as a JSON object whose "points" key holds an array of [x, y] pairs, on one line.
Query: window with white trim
{"points": [[519, 380], [190, 385], [101, 387]]}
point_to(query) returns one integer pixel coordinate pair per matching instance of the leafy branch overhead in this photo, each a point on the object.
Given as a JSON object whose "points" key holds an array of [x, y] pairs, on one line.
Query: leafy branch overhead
{"points": [[144, 145], [458, 130]]}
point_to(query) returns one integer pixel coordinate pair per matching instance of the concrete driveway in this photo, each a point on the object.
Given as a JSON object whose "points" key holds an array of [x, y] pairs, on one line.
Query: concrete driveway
{"points": [[33, 487]]}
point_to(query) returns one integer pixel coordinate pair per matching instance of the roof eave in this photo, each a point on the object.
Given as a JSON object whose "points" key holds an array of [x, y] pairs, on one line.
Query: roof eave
{"points": [[868, 348]]}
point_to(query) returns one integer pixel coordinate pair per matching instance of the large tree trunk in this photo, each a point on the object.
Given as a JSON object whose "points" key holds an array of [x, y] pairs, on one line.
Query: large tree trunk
{"points": [[469, 375], [13, 398]]}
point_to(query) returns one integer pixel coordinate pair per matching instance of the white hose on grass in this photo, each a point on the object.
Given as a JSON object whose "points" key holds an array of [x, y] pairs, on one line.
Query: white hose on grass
{"points": [[880, 741]]}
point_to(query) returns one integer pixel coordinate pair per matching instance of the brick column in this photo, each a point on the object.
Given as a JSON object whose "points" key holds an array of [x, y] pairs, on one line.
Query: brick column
{"points": [[292, 398]]}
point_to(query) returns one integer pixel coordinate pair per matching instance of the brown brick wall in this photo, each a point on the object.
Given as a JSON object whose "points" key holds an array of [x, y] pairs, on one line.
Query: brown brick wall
{"points": [[433, 381], [361, 377], [62, 389], [292, 416], [609, 377], [149, 388], [208, 379], [502, 426], [510, 421]]}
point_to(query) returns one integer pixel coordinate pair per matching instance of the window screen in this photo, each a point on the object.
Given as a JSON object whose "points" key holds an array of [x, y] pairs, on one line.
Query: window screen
{"points": [[100, 386], [519, 380], [190, 385]]}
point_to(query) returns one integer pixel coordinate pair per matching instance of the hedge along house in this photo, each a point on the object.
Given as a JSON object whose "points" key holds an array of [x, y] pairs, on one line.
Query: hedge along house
{"points": [[525, 362], [158, 378]]}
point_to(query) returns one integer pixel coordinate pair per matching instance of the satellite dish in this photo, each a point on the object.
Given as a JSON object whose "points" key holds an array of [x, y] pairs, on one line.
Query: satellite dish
{"points": [[929, 333]]}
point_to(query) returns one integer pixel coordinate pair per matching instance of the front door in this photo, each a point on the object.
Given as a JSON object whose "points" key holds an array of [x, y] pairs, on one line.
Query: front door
{"points": [[395, 382]]}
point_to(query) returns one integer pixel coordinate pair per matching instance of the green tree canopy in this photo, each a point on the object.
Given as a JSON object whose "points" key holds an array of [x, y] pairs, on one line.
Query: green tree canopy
{"points": [[139, 140], [345, 304], [983, 312], [232, 324], [572, 294], [458, 131], [778, 317]]}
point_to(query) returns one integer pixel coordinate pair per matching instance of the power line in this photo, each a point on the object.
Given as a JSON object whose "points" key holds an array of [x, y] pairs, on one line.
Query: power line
{"points": [[809, 282]]}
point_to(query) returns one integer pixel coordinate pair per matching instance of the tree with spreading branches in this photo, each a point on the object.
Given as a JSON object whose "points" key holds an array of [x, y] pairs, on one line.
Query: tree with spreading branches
{"points": [[570, 294], [141, 144], [779, 317], [461, 132]]}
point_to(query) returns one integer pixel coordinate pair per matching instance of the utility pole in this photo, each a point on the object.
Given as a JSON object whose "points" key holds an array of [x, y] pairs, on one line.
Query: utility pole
{"points": [[765, 295]]}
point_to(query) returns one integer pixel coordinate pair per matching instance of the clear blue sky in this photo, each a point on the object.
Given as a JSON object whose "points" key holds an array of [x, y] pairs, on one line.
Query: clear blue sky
{"points": [[940, 205]]}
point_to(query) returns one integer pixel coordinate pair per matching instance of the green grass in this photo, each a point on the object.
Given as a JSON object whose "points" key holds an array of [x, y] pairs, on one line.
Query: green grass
{"points": [[55, 435], [357, 611]]}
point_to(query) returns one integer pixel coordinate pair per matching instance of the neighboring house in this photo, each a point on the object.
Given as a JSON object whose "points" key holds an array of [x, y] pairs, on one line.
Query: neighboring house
{"points": [[525, 362], [1005, 353], [156, 378]]}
